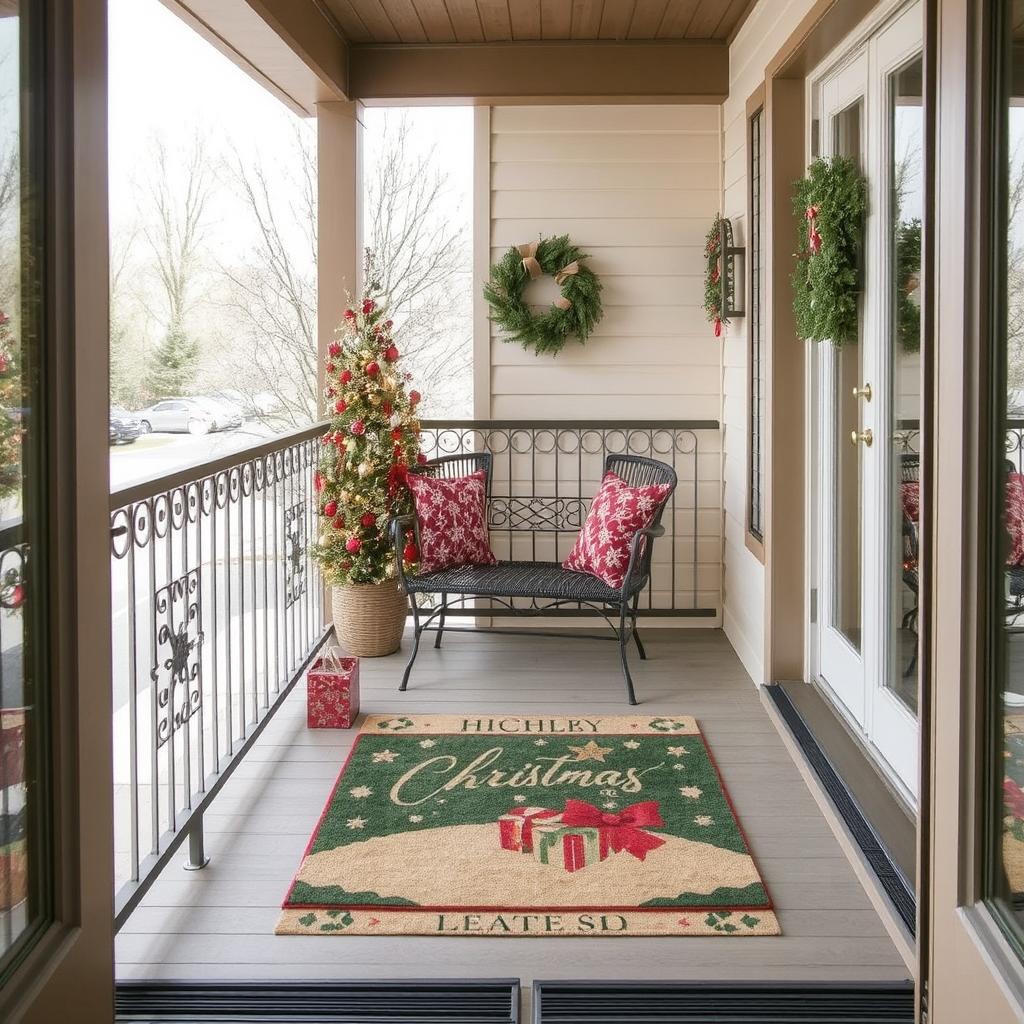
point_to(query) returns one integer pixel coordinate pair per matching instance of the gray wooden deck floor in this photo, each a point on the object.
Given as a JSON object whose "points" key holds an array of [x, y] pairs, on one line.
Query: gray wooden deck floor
{"points": [[218, 923]]}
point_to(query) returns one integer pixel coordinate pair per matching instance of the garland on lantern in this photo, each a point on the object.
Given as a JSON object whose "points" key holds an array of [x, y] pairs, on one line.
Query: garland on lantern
{"points": [[713, 276], [908, 270], [360, 482], [830, 203], [576, 312], [11, 401]]}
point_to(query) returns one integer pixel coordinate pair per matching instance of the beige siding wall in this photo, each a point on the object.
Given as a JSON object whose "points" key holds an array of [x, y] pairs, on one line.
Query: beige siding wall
{"points": [[764, 32], [636, 187]]}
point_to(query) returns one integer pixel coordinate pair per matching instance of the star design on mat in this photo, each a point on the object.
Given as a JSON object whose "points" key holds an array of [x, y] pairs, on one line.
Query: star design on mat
{"points": [[679, 767], [703, 820], [415, 818], [693, 792], [677, 751], [428, 743], [356, 823], [540, 743], [631, 744], [519, 798], [361, 792], [590, 751], [384, 755]]}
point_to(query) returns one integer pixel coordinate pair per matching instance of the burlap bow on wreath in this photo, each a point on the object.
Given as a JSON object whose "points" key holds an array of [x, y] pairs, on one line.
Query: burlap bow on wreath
{"points": [[575, 312]]}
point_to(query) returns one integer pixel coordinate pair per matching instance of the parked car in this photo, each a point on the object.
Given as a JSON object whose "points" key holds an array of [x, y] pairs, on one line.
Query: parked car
{"points": [[226, 415], [177, 416], [125, 426]]}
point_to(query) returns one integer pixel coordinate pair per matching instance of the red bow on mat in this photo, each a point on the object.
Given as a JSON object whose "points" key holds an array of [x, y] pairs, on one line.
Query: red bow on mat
{"points": [[624, 830]]}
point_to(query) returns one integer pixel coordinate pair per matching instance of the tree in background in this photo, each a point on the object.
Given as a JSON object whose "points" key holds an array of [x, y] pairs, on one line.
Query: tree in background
{"points": [[425, 269], [272, 294], [178, 240]]}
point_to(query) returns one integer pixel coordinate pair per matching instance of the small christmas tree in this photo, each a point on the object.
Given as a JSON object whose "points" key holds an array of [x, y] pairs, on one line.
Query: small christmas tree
{"points": [[374, 437], [11, 402]]}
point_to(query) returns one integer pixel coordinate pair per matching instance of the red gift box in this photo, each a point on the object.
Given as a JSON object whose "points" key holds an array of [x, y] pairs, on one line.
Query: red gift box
{"points": [[515, 829], [332, 692]]}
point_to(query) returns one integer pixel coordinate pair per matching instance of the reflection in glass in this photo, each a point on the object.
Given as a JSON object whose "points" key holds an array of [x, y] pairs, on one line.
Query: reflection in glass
{"points": [[903, 499], [848, 375], [1006, 853]]}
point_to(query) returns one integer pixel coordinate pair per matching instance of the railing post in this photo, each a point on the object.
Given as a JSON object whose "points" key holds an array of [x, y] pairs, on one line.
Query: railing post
{"points": [[197, 859]]}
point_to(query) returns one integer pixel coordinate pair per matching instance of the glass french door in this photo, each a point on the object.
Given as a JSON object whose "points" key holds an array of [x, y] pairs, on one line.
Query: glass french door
{"points": [[868, 108]]}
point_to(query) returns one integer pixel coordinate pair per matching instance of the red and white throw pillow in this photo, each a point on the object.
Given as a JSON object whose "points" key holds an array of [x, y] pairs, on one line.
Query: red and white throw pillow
{"points": [[617, 514], [452, 517]]}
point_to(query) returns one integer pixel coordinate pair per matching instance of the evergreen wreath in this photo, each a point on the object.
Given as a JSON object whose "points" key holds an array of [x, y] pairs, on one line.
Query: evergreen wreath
{"points": [[576, 313], [713, 276], [830, 204]]}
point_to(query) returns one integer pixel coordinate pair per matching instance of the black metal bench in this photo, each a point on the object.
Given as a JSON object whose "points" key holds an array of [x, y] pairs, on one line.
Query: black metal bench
{"points": [[539, 581]]}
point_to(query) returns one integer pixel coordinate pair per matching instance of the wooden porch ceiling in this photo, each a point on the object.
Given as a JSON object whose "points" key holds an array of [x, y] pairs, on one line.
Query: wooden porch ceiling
{"points": [[507, 21]]}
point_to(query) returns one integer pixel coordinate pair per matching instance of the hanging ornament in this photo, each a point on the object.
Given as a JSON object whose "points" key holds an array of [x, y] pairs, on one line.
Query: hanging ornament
{"points": [[363, 469]]}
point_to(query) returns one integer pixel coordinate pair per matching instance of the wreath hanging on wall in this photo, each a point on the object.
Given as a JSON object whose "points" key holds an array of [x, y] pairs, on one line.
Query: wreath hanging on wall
{"points": [[830, 204], [574, 314], [713, 276]]}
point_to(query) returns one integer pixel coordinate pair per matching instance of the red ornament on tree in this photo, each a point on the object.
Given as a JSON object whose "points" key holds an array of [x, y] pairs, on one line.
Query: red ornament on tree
{"points": [[329, 367], [334, 349], [391, 353], [330, 509], [421, 459], [409, 553], [339, 523], [415, 397], [353, 544], [372, 369], [368, 306], [318, 481], [358, 428], [350, 314], [368, 520], [340, 406], [346, 376]]}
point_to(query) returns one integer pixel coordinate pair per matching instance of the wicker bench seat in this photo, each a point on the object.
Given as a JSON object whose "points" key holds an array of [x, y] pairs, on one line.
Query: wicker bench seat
{"points": [[536, 581]]}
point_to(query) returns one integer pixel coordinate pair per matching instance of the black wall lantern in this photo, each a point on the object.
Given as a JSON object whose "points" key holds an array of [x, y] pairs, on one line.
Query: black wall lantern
{"points": [[732, 265]]}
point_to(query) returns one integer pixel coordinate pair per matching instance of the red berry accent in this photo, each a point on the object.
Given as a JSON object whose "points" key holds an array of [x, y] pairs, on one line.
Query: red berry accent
{"points": [[388, 324], [372, 369], [358, 427], [368, 306], [330, 367], [409, 553], [387, 409], [414, 397], [318, 481], [391, 353], [396, 434], [421, 459], [330, 509], [353, 544], [330, 392], [334, 349], [350, 314], [339, 523], [369, 519], [340, 405], [346, 376]]}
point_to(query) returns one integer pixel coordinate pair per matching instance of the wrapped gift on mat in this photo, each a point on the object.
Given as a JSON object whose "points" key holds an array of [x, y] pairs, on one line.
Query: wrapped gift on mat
{"points": [[332, 691], [515, 829], [569, 846]]}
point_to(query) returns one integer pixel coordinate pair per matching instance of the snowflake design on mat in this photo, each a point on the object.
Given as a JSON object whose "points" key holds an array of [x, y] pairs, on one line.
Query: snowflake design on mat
{"points": [[356, 823], [361, 792], [678, 751], [384, 756], [703, 820], [692, 792], [631, 744], [415, 818], [519, 798], [428, 743], [395, 724], [540, 743]]}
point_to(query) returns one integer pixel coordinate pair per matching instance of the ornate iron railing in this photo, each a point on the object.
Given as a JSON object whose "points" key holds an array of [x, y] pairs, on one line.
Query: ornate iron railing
{"points": [[216, 609], [546, 472]]}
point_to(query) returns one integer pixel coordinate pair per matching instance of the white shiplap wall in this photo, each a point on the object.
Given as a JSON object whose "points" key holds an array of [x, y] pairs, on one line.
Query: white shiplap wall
{"points": [[762, 35], [636, 187]]}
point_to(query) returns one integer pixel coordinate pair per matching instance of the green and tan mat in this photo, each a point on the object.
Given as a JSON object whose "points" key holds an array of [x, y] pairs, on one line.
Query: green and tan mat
{"points": [[505, 825]]}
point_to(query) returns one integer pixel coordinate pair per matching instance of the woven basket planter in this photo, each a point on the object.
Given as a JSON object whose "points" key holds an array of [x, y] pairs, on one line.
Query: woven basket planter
{"points": [[369, 618]]}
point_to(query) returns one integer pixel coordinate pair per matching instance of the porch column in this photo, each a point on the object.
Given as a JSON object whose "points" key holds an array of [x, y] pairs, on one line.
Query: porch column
{"points": [[339, 220]]}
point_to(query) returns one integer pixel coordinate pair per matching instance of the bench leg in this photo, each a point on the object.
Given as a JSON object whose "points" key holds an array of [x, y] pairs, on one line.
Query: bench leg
{"points": [[623, 640], [416, 631], [440, 621], [636, 632]]}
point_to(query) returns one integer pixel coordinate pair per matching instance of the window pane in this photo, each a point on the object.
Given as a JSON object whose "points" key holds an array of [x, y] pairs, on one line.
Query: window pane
{"points": [[24, 803]]}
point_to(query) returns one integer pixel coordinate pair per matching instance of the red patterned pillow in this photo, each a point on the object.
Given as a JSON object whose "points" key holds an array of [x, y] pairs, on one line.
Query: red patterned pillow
{"points": [[617, 514], [453, 526]]}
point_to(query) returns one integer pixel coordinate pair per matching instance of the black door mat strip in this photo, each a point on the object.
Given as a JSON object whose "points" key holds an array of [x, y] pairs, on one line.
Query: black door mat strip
{"points": [[330, 1002], [894, 883], [569, 1002]]}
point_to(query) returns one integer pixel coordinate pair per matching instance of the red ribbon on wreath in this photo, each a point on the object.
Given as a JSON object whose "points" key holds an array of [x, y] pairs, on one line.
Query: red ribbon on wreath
{"points": [[718, 326], [624, 830], [813, 237]]}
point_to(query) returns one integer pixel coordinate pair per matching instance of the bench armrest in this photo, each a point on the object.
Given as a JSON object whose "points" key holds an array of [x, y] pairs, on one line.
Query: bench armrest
{"points": [[640, 555]]}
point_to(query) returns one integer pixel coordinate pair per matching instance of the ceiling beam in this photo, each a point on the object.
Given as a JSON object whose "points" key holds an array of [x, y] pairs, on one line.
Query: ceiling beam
{"points": [[658, 72], [291, 47]]}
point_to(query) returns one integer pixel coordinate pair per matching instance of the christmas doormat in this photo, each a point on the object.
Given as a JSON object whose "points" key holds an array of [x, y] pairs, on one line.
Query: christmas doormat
{"points": [[592, 826]]}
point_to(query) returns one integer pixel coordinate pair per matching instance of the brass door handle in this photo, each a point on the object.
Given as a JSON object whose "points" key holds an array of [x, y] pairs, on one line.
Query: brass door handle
{"points": [[865, 437], [864, 392]]}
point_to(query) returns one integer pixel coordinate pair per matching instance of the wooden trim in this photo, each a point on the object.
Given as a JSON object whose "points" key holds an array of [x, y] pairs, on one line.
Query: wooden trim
{"points": [[820, 31], [481, 261], [741, 21], [509, 72], [755, 103]]}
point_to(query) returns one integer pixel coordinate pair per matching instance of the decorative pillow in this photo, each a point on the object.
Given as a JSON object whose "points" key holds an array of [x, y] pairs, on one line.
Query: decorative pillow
{"points": [[617, 514], [453, 525]]}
